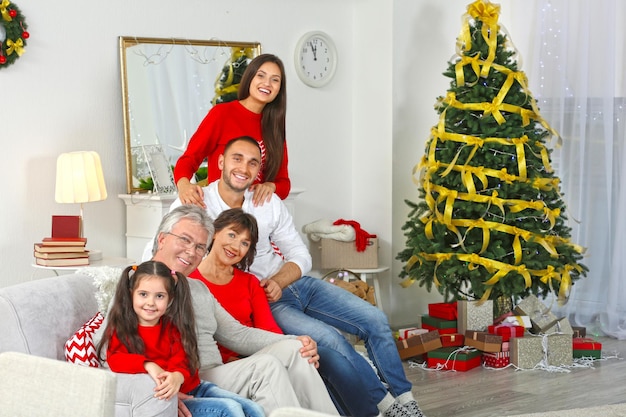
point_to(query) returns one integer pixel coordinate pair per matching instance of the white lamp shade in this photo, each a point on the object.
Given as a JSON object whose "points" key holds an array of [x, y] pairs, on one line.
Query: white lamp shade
{"points": [[79, 178]]}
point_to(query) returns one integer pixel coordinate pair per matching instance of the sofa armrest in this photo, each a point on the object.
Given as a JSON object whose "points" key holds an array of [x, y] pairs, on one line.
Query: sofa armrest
{"points": [[36, 386]]}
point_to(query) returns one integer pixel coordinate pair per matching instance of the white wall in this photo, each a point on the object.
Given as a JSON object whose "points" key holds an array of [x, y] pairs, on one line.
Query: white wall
{"points": [[352, 144]]}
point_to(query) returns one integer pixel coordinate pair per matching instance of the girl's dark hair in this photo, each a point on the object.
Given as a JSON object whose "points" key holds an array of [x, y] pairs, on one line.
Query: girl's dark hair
{"points": [[240, 221], [122, 319], [273, 116]]}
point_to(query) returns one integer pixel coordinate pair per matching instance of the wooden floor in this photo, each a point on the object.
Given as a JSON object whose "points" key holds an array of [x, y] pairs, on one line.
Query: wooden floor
{"points": [[504, 392]]}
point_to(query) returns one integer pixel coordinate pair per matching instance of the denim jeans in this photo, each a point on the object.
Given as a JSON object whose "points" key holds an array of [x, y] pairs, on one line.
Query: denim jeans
{"points": [[317, 308], [346, 386], [211, 400]]}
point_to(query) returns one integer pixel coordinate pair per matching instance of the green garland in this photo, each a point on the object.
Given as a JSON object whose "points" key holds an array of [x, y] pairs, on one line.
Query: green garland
{"points": [[13, 43]]}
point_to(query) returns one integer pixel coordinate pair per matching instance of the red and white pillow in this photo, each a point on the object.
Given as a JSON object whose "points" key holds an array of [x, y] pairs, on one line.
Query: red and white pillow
{"points": [[80, 348]]}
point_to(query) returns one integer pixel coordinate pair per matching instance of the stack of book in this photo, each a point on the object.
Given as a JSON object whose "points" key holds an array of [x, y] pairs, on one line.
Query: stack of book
{"points": [[56, 251]]}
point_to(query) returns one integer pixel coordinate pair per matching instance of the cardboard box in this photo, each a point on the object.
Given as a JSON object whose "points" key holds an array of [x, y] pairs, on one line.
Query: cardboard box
{"points": [[336, 254], [417, 345], [473, 316], [483, 341]]}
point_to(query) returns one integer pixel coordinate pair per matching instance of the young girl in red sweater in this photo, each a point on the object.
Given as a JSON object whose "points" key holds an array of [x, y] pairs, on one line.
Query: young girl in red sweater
{"points": [[151, 329]]}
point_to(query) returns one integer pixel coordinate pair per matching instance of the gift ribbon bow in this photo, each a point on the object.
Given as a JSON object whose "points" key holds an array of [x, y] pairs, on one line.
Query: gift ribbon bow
{"points": [[17, 46], [3, 10]]}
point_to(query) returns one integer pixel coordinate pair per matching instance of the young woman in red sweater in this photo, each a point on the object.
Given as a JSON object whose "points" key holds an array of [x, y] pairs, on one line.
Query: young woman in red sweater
{"points": [[151, 329], [259, 113]]}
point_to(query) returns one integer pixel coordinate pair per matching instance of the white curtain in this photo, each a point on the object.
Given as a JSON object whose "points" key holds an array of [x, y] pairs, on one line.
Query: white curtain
{"points": [[577, 75]]}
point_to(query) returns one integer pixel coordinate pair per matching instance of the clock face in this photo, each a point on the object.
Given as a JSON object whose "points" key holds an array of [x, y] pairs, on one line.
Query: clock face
{"points": [[315, 59]]}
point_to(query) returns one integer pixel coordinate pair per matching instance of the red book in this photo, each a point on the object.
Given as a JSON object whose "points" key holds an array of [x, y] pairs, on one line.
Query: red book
{"points": [[67, 241], [66, 226]]}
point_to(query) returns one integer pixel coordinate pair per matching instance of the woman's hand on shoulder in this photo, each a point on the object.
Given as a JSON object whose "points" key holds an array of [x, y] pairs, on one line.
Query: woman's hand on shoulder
{"points": [[262, 193], [309, 350], [189, 193]]}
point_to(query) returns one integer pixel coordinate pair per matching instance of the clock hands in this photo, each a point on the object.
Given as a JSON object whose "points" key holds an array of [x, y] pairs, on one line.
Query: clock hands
{"points": [[314, 49]]}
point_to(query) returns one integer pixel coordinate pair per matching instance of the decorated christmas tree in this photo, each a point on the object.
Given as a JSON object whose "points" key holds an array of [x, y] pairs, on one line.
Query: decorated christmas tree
{"points": [[491, 219], [228, 80]]}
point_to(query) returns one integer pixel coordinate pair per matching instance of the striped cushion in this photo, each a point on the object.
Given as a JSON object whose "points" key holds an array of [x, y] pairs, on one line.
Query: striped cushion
{"points": [[80, 349]]}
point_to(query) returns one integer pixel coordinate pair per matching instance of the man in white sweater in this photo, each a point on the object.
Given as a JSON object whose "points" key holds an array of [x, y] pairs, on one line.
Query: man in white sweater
{"points": [[279, 370], [306, 305]]}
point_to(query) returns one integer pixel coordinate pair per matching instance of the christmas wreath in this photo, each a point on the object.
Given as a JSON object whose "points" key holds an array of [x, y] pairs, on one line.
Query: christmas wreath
{"points": [[13, 33]]}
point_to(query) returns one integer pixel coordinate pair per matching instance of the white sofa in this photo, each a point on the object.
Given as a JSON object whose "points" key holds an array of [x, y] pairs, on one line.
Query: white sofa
{"points": [[37, 317]]}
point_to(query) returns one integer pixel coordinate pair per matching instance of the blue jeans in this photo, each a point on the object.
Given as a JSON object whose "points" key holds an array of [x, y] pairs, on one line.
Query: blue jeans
{"points": [[346, 386], [317, 308], [211, 400]]}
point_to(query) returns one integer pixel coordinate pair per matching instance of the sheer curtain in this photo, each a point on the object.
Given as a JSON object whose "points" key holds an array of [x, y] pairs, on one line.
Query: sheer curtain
{"points": [[577, 76]]}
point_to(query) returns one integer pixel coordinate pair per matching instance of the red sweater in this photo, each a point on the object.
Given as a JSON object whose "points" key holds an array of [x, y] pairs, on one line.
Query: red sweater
{"points": [[162, 346], [245, 300], [222, 123]]}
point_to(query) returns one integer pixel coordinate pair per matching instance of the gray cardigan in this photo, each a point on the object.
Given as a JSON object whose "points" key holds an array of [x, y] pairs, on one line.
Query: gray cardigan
{"points": [[215, 325]]}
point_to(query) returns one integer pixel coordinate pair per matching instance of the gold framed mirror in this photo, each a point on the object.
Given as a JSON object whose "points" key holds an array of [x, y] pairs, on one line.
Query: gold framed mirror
{"points": [[168, 86]]}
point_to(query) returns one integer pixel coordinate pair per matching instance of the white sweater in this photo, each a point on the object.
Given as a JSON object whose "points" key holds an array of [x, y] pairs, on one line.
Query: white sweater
{"points": [[275, 225]]}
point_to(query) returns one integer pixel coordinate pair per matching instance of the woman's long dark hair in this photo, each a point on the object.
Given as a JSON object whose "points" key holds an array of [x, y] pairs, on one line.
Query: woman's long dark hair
{"points": [[239, 221], [122, 319], [273, 116]]}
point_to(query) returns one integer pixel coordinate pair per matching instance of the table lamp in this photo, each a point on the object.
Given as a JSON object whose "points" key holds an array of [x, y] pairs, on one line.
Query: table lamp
{"points": [[79, 179]]}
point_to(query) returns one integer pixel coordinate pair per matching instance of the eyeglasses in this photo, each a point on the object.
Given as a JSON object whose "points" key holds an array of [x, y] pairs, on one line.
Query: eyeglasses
{"points": [[187, 243]]}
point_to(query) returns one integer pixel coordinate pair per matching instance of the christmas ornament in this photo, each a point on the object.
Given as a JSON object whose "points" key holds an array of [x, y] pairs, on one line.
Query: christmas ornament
{"points": [[13, 33], [491, 221]]}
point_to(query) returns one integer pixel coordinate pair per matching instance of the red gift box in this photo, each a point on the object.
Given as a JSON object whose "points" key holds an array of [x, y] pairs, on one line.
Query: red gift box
{"points": [[507, 331], [497, 360], [586, 343], [446, 311], [453, 339]]}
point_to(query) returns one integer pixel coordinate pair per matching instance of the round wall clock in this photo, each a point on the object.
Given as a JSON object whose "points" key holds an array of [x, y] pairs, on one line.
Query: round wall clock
{"points": [[315, 58]]}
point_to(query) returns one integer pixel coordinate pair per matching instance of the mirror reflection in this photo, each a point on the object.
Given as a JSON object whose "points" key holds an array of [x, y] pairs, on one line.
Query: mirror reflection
{"points": [[168, 86]]}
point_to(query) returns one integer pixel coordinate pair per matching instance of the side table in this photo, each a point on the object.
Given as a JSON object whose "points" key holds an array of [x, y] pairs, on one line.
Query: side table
{"points": [[106, 261]]}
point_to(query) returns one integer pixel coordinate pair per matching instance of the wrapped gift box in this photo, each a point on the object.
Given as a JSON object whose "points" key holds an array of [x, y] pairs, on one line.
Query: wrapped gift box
{"points": [[447, 311], [559, 349], [562, 326], [591, 354], [474, 316], [497, 359], [407, 332], [526, 352], [450, 340], [523, 321], [579, 331], [444, 326], [456, 359], [506, 346], [419, 344], [483, 341], [540, 316], [586, 343], [506, 331]]}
